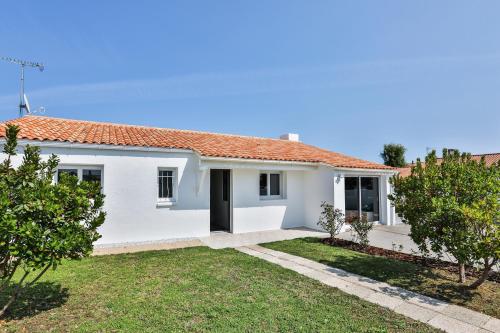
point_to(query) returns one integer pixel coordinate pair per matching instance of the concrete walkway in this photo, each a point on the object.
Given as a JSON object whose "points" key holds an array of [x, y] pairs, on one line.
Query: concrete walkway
{"points": [[393, 237], [439, 314], [385, 237], [147, 246], [220, 240]]}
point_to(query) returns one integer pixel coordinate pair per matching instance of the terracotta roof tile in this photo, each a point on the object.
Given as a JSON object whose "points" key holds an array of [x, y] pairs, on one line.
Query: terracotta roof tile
{"points": [[206, 144]]}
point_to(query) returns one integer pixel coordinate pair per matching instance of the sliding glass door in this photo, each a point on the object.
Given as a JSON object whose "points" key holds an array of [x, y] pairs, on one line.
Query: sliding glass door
{"points": [[362, 197]]}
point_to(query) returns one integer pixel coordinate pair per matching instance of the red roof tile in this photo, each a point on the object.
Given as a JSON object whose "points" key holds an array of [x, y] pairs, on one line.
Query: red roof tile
{"points": [[206, 144]]}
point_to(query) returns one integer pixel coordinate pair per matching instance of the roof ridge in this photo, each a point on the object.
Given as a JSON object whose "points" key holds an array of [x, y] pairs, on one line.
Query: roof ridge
{"points": [[150, 127]]}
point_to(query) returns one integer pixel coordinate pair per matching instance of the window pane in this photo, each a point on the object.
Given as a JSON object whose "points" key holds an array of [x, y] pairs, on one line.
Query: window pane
{"points": [[369, 198], [166, 173], [165, 184], [91, 175], [169, 190], [160, 187], [263, 184], [275, 184], [73, 172], [351, 197]]}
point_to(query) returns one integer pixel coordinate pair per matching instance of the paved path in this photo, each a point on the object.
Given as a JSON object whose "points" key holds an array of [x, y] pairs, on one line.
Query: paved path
{"points": [[220, 240], [448, 317]]}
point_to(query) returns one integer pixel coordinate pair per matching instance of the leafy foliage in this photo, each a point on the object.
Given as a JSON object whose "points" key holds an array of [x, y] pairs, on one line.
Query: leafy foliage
{"points": [[41, 222], [360, 227], [394, 155], [454, 207], [331, 219]]}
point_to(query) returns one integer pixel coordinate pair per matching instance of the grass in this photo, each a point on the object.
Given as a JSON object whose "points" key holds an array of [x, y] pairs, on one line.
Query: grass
{"points": [[193, 289], [436, 283]]}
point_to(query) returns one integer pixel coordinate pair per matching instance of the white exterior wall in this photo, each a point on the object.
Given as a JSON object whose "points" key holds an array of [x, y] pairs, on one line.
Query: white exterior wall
{"points": [[130, 186], [251, 213], [320, 187]]}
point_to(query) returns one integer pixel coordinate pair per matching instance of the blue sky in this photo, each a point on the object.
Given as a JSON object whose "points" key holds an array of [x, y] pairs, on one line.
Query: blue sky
{"points": [[346, 75]]}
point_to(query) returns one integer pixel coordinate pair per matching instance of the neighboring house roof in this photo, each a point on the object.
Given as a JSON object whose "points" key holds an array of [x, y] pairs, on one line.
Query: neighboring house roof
{"points": [[489, 159], [206, 144]]}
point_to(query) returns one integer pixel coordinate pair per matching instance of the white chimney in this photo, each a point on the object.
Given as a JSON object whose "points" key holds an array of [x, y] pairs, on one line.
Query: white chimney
{"points": [[290, 137]]}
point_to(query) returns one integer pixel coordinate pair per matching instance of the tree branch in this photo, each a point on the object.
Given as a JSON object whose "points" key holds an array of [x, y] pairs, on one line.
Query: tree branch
{"points": [[6, 282], [13, 297]]}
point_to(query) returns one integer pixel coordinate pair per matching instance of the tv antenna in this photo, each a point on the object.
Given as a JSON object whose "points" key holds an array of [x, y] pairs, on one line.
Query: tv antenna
{"points": [[23, 100]]}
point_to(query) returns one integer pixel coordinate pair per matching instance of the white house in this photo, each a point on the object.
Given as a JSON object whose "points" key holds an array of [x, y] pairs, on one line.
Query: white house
{"points": [[163, 184]]}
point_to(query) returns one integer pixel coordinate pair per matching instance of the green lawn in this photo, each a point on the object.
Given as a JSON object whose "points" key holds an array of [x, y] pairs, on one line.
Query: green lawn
{"points": [[432, 282], [193, 289]]}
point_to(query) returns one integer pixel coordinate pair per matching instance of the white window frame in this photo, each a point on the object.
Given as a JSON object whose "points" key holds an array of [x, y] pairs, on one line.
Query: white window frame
{"points": [[79, 170], [268, 196], [167, 201]]}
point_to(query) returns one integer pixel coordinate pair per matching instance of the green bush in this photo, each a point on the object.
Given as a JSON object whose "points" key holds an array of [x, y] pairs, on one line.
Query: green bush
{"points": [[331, 219], [360, 227], [42, 222], [453, 206]]}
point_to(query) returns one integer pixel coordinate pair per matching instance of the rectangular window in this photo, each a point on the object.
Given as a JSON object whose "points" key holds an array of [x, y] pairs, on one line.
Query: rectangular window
{"points": [[271, 185], [90, 175], [362, 197], [84, 173], [165, 184]]}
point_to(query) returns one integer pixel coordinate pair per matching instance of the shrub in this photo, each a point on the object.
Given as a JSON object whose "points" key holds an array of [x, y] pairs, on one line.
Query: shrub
{"points": [[41, 222], [360, 227], [331, 219], [453, 206]]}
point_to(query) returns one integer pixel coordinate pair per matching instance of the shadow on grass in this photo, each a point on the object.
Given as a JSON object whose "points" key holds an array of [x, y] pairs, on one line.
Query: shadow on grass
{"points": [[407, 275], [42, 296]]}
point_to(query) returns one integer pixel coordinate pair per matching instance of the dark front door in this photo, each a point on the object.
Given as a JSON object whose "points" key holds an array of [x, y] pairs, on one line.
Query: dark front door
{"points": [[220, 199]]}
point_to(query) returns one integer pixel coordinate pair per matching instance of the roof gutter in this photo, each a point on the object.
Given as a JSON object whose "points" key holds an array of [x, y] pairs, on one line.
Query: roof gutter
{"points": [[71, 145], [253, 160], [363, 170]]}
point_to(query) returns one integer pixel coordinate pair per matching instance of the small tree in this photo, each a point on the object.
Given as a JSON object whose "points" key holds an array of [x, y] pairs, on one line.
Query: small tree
{"points": [[453, 207], [41, 222], [331, 219], [394, 155], [360, 229]]}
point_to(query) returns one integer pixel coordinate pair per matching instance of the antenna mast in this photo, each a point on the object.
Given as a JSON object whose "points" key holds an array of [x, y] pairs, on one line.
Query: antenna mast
{"points": [[22, 64]]}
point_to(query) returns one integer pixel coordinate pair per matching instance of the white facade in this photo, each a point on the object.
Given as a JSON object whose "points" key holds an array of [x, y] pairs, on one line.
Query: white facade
{"points": [[135, 213]]}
